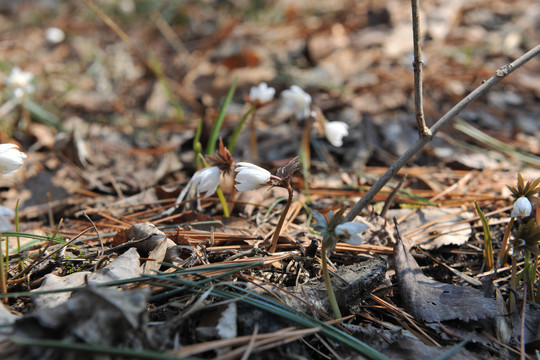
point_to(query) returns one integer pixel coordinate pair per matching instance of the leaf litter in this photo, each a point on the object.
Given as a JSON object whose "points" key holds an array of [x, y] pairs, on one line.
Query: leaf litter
{"points": [[122, 155]]}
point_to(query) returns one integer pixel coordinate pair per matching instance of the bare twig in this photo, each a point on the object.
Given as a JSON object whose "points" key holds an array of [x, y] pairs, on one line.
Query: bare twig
{"points": [[450, 115], [418, 65]]}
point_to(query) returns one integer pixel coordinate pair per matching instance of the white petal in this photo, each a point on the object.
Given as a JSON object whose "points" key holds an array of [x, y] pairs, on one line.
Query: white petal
{"points": [[262, 93], [10, 158], [250, 176], [522, 207], [348, 232], [298, 101], [335, 131], [208, 180]]}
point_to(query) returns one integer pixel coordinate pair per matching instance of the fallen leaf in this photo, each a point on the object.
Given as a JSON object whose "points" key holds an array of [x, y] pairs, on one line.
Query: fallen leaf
{"points": [[126, 266], [98, 316], [430, 300]]}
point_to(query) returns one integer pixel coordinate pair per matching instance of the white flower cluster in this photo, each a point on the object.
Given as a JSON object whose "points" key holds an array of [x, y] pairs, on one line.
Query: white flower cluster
{"points": [[299, 102], [21, 82], [262, 93]]}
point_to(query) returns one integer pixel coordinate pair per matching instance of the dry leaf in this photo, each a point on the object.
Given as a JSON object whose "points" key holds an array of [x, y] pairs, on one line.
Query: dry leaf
{"points": [[430, 300]]}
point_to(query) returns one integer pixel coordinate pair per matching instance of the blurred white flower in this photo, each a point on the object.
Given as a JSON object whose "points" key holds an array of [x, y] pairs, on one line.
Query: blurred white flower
{"points": [[5, 219], [522, 207], [298, 101], [262, 93], [21, 82], [335, 131], [206, 179], [348, 232], [54, 35], [10, 158], [250, 176]]}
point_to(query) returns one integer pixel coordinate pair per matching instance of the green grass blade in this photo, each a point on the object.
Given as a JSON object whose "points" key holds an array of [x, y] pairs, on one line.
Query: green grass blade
{"points": [[212, 141], [488, 246], [454, 350], [44, 116], [234, 136]]}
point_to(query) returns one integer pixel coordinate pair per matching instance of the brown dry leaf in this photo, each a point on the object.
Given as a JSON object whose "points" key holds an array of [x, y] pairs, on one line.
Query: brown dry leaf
{"points": [[432, 228], [430, 300], [118, 322]]}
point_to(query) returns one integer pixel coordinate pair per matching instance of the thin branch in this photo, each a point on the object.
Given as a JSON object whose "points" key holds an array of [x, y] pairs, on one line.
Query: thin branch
{"points": [[500, 74], [418, 65]]}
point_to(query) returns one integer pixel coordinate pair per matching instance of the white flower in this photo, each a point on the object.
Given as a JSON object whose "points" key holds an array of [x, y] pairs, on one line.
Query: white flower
{"points": [[250, 177], [206, 179], [335, 131], [348, 232], [298, 101], [10, 158], [54, 35], [5, 219], [262, 93], [21, 81], [522, 207]]}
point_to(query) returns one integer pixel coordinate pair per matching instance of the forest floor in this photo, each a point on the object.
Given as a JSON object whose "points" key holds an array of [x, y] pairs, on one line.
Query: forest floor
{"points": [[104, 265]]}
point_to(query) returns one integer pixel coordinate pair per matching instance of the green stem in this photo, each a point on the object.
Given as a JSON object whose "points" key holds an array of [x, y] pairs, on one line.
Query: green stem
{"points": [[212, 140], [197, 147], [503, 251], [279, 225], [223, 202], [328, 282], [234, 136]]}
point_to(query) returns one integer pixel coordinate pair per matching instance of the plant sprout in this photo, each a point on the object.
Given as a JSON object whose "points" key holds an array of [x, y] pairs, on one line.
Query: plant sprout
{"points": [[335, 229]]}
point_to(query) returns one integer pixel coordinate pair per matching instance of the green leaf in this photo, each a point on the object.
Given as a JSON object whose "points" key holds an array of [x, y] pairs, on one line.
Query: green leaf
{"points": [[212, 141], [488, 246]]}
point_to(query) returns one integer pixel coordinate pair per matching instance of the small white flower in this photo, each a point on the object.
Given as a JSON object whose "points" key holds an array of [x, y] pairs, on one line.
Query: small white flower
{"points": [[298, 101], [206, 179], [250, 176], [10, 158], [348, 232], [21, 81], [5, 219], [54, 35], [522, 207], [262, 93], [335, 131]]}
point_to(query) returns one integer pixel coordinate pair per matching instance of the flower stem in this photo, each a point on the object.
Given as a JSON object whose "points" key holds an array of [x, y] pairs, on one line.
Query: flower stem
{"points": [[238, 128], [279, 225], [223, 202], [328, 282], [503, 251]]}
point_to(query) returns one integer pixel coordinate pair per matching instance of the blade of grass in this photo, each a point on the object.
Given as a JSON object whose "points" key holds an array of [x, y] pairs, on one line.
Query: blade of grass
{"points": [[44, 116], [488, 246], [238, 128], [288, 313], [212, 141], [498, 145], [455, 349], [197, 147]]}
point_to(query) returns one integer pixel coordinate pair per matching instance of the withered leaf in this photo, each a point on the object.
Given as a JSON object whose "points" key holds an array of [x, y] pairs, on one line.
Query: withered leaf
{"points": [[430, 300]]}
